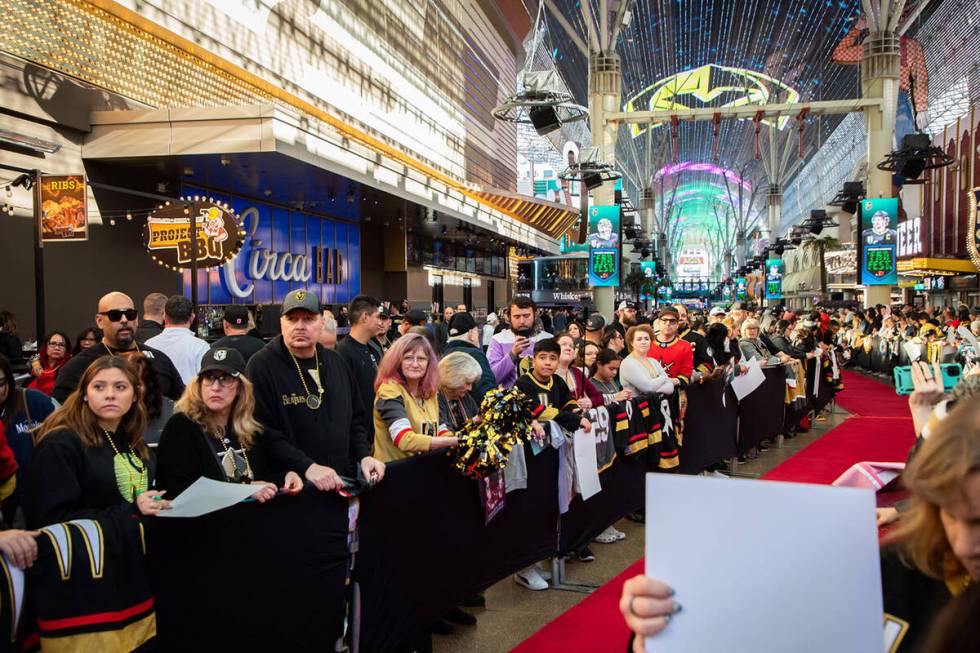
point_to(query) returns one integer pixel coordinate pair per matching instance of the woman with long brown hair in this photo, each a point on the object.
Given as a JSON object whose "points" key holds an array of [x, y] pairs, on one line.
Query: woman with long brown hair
{"points": [[90, 459], [213, 434]]}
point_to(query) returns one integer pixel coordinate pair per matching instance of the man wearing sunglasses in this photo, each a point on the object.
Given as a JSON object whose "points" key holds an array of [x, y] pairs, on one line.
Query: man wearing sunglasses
{"points": [[117, 317]]}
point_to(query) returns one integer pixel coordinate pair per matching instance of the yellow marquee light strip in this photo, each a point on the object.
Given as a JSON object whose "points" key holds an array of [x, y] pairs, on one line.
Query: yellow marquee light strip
{"points": [[972, 235], [103, 32]]}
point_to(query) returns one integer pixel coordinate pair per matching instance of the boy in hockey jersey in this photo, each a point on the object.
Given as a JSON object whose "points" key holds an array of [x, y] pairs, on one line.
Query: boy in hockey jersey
{"points": [[552, 400]]}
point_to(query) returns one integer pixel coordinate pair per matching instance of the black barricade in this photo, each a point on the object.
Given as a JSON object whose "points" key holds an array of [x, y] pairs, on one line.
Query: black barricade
{"points": [[818, 396], [425, 521], [254, 577], [761, 412], [710, 428], [622, 494]]}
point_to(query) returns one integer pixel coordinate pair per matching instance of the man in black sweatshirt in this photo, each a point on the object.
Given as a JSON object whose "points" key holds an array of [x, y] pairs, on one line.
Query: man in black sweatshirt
{"points": [[308, 393], [117, 317]]}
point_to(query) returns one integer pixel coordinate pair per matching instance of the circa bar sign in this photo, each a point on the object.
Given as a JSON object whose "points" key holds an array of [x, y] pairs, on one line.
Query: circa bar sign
{"points": [[167, 234]]}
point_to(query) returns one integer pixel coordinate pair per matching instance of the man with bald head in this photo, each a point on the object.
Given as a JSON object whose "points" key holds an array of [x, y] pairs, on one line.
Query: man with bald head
{"points": [[117, 317]]}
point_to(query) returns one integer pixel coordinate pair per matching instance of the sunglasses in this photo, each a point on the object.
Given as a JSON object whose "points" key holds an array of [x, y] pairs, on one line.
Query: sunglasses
{"points": [[117, 314], [222, 380]]}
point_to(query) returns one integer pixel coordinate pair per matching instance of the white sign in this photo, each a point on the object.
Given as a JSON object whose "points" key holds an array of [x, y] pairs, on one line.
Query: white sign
{"points": [[796, 569], [910, 237]]}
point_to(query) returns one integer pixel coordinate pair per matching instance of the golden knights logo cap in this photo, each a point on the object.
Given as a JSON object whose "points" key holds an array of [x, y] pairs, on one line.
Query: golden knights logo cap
{"points": [[301, 299]]}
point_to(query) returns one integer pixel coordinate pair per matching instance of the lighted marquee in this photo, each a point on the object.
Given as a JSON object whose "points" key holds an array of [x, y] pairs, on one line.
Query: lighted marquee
{"points": [[711, 85]]}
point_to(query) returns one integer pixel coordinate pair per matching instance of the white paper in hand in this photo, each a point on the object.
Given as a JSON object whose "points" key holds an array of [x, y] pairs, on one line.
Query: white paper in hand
{"points": [[586, 463], [764, 567], [745, 384], [913, 350], [205, 495]]}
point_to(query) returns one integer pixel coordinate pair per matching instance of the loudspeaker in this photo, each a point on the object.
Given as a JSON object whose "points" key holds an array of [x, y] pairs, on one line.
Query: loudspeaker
{"points": [[544, 119]]}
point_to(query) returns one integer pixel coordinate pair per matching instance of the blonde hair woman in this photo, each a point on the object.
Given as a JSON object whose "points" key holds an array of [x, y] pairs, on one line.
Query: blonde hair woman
{"points": [[213, 434]]}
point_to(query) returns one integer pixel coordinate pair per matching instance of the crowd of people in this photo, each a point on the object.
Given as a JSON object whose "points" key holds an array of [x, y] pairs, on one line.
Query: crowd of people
{"points": [[135, 410]]}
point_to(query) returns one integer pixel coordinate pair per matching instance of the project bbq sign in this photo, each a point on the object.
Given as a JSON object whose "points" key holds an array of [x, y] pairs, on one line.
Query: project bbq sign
{"points": [[167, 234]]}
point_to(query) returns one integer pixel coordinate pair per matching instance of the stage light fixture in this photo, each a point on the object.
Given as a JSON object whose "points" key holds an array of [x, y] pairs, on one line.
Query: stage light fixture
{"points": [[849, 196], [542, 104], [916, 155]]}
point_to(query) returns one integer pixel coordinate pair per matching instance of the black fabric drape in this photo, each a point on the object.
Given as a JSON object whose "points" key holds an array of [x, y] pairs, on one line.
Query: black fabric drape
{"points": [[710, 429], [253, 577], [761, 412]]}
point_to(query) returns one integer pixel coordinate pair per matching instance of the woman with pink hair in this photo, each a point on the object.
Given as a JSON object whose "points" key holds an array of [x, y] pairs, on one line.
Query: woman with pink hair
{"points": [[406, 401]]}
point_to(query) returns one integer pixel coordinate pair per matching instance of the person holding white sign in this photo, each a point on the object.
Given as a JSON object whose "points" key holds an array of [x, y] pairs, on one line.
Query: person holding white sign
{"points": [[931, 558]]}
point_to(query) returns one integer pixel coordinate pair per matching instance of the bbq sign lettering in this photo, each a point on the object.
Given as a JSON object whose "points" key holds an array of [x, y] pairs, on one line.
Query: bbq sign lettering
{"points": [[167, 234]]}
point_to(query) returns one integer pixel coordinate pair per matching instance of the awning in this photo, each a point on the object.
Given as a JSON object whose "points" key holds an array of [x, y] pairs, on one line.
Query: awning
{"points": [[804, 282], [930, 267], [273, 130]]}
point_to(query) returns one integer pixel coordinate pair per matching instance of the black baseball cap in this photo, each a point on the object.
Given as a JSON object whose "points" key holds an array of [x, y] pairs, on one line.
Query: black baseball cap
{"points": [[416, 317], [236, 316], [461, 323], [223, 359], [595, 322], [301, 300]]}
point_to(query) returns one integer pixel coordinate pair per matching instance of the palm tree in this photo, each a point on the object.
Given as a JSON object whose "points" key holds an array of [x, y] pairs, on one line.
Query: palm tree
{"points": [[639, 283], [821, 245]]}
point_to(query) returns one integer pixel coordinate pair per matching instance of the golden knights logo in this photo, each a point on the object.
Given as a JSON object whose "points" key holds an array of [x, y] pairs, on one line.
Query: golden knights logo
{"points": [[711, 86], [973, 230]]}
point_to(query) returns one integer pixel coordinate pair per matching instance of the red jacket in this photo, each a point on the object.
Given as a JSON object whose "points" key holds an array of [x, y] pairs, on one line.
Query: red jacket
{"points": [[584, 387], [8, 464]]}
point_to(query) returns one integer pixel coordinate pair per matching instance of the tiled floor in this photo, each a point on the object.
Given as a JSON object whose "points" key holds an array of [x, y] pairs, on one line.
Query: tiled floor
{"points": [[514, 613]]}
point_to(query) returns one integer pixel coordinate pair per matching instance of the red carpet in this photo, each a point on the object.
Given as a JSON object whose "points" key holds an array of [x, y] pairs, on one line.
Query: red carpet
{"points": [[882, 431], [867, 397]]}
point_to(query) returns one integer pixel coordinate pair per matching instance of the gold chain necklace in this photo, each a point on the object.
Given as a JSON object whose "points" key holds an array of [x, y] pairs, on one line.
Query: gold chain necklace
{"points": [[137, 484], [313, 401]]}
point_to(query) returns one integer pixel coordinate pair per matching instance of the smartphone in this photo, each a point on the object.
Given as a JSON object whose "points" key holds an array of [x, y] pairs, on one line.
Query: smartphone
{"points": [[903, 377]]}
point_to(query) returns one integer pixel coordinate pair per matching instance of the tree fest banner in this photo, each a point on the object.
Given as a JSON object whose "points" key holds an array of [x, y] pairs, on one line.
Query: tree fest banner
{"points": [[64, 211], [166, 234]]}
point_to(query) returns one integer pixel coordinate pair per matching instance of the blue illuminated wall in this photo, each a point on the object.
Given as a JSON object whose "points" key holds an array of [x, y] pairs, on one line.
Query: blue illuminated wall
{"points": [[282, 231]]}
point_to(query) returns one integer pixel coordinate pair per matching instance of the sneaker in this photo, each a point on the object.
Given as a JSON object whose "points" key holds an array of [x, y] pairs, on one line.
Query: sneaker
{"points": [[639, 517], [609, 536], [717, 474], [531, 579], [460, 617], [585, 554], [475, 601], [544, 572], [763, 447]]}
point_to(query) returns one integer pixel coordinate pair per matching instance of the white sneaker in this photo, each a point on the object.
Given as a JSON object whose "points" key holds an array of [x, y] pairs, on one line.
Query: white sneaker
{"points": [[531, 579], [609, 536], [544, 572], [718, 474]]}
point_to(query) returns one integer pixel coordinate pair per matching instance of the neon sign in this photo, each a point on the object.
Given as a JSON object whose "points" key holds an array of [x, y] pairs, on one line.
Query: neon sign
{"points": [[737, 87]]}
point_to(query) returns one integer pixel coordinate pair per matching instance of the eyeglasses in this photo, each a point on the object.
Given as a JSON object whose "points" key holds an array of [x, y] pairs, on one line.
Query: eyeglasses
{"points": [[668, 320], [223, 380], [416, 360], [55, 343], [117, 314]]}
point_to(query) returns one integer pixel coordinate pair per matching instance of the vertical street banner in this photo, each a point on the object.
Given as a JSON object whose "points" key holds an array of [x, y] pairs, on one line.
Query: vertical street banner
{"points": [[740, 288], [64, 210], [604, 245], [774, 278], [879, 242]]}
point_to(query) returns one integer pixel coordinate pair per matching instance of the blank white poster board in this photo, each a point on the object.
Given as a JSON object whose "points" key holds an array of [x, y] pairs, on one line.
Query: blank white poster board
{"points": [[762, 566]]}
